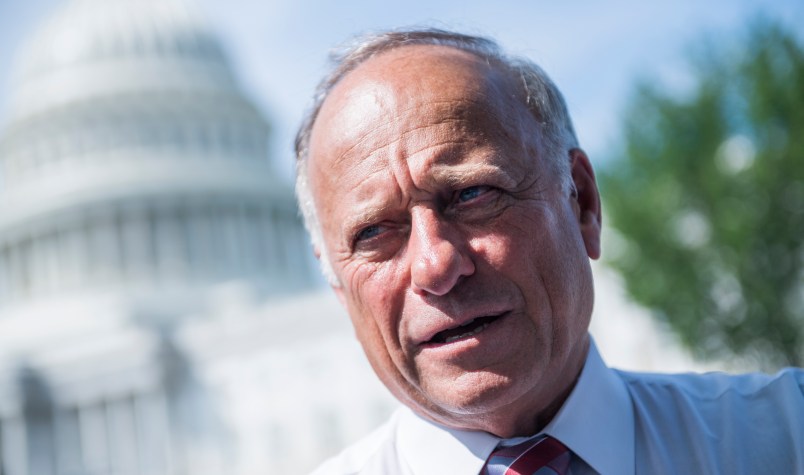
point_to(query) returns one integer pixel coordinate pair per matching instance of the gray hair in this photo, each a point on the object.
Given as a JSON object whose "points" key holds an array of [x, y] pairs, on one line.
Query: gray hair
{"points": [[542, 98]]}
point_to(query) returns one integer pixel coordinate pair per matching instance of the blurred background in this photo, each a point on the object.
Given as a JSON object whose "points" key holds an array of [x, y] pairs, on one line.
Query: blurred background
{"points": [[160, 311]]}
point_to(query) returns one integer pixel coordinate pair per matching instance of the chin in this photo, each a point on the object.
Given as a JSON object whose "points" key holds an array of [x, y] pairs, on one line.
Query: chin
{"points": [[473, 398]]}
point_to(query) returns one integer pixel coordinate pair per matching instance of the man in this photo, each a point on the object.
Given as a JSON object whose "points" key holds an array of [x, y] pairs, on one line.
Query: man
{"points": [[455, 215]]}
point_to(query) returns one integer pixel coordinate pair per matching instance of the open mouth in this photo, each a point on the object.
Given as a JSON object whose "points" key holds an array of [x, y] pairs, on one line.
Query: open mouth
{"points": [[468, 329]]}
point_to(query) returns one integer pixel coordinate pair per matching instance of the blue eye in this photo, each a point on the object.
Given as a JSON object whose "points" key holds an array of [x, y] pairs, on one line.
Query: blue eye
{"points": [[471, 193], [368, 233]]}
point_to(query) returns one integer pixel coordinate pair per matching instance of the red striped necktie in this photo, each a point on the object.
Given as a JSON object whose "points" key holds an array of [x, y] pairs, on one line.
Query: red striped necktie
{"points": [[540, 456]]}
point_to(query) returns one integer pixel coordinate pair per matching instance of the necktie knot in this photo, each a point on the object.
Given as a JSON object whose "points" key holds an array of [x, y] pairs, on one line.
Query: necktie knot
{"points": [[540, 456]]}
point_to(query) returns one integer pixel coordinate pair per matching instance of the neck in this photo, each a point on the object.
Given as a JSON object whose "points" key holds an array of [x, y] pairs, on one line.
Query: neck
{"points": [[521, 425]]}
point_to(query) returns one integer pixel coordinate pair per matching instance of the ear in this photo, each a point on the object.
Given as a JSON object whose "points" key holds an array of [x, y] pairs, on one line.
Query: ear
{"points": [[586, 201]]}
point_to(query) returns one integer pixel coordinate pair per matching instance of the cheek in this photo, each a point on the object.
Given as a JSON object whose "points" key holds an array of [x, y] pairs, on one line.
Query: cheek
{"points": [[511, 250], [373, 299], [539, 254], [562, 266]]}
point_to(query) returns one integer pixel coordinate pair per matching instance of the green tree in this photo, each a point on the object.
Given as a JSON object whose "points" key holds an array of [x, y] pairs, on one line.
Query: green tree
{"points": [[707, 200]]}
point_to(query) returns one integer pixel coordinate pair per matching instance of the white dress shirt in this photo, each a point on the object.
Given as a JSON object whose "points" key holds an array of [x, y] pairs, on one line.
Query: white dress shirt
{"points": [[620, 423]]}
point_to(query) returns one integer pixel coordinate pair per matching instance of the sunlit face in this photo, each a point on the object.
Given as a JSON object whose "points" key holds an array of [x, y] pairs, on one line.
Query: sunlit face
{"points": [[462, 261]]}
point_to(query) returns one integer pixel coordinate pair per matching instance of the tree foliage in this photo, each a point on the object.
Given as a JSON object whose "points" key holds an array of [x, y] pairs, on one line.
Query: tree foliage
{"points": [[707, 200]]}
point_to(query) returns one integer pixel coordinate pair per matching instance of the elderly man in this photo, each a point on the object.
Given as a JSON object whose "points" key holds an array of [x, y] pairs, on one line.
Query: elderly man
{"points": [[455, 215]]}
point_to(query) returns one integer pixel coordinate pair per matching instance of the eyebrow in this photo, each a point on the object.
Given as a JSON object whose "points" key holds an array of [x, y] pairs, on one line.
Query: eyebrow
{"points": [[466, 174]]}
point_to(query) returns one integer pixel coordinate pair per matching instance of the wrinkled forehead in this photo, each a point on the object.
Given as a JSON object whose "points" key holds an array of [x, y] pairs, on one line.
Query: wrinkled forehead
{"points": [[421, 81], [422, 74]]}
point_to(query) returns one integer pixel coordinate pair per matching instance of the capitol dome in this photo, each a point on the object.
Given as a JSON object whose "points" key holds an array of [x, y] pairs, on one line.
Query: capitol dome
{"points": [[131, 158], [158, 306], [108, 47]]}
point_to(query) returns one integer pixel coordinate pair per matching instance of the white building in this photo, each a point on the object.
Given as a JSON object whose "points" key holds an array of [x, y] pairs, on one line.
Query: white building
{"points": [[158, 306], [158, 310]]}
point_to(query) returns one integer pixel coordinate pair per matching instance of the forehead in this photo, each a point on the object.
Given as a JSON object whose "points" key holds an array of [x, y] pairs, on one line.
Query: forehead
{"points": [[421, 83], [441, 70]]}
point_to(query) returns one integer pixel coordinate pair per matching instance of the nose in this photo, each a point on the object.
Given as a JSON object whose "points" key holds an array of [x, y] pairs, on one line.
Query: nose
{"points": [[438, 256]]}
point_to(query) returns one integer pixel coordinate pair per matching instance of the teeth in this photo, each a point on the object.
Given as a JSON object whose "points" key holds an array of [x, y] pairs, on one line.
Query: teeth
{"points": [[464, 335]]}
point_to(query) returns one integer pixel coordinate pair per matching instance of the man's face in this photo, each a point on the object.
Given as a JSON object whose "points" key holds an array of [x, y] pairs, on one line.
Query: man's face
{"points": [[462, 260]]}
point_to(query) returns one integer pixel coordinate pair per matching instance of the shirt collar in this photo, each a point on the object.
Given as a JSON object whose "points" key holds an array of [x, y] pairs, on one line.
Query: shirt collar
{"points": [[597, 420], [596, 423], [431, 448]]}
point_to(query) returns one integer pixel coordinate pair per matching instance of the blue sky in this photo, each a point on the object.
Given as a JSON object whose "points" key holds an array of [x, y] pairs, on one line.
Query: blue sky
{"points": [[594, 50]]}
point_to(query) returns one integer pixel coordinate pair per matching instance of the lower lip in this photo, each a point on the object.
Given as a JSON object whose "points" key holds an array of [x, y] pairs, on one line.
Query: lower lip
{"points": [[471, 341]]}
